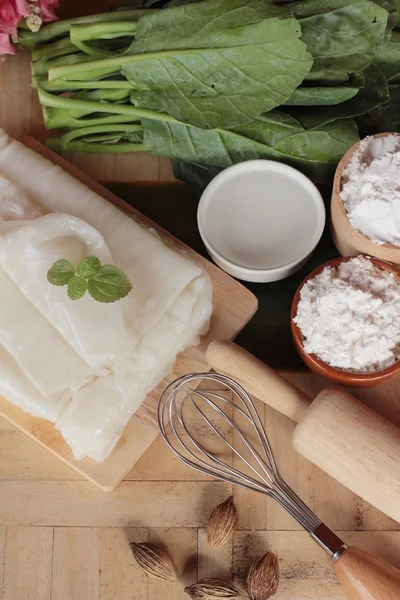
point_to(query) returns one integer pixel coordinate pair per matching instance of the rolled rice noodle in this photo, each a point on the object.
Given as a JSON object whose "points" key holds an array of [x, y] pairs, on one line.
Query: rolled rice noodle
{"points": [[168, 308]]}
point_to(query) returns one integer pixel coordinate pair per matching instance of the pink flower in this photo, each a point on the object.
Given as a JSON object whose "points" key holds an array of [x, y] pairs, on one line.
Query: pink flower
{"points": [[47, 8], [11, 12]]}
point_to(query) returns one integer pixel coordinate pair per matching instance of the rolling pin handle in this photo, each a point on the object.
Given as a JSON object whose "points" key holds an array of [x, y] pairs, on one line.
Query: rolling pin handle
{"points": [[257, 379], [363, 575]]}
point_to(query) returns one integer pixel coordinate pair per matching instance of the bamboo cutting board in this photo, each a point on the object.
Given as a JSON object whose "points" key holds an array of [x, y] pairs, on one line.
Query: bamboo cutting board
{"points": [[233, 306]]}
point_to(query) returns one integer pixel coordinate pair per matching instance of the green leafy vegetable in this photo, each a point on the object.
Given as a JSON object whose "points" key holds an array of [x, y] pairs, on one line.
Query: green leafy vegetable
{"points": [[388, 58], [268, 137], [202, 81], [105, 283], [77, 287], [61, 272], [266, 59], [374, 93], [200, 25], [321, 96], [198, 176], [342, 40]]}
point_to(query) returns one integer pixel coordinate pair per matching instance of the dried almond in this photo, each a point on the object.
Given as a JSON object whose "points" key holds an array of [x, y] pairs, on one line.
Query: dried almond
{"points": [[155, 561], [209, 589], [263, 577], [222, 523]]}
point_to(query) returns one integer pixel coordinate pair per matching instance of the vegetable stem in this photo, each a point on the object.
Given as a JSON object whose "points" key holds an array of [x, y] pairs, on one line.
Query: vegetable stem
{"points": [[107, 31], [89, 106], [56, 143], [58, 85], [101, 68], [56, 118], [123, 128], [29, 39], [63, 46], [42, 66]]}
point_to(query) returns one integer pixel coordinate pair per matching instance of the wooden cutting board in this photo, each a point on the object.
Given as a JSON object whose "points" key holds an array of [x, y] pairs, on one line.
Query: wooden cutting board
{"points": [[233, 306]]}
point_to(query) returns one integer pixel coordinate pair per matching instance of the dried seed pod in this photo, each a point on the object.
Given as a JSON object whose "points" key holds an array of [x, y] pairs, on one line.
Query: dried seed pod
{"points": [[208, 589], [263, 577], [222, 523], [155, 561]]}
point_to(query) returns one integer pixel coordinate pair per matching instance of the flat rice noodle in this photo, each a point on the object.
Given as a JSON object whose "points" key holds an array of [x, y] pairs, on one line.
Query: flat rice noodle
{"points": [[44, 356], [161, 272], [14, 203], [28, 252], [16, 388], [93, 421], [168, 308]]}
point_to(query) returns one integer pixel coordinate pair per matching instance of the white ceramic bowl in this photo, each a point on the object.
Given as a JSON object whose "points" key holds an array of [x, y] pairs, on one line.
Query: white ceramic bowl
{"points": [[261, 220]]}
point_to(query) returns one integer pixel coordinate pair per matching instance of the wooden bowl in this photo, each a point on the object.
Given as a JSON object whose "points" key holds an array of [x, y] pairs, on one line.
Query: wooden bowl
{"points": [[348, 241], [322, 368]]}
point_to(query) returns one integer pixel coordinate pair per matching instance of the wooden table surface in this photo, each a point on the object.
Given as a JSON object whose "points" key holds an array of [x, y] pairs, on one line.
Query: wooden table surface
{"points": [[62, 539]]}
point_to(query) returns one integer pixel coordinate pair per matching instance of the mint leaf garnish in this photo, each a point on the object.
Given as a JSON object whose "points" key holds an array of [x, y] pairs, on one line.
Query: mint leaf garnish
{"points": [[61, 272], [109, 284], [88, 266], [77, 287], [105, 283]]}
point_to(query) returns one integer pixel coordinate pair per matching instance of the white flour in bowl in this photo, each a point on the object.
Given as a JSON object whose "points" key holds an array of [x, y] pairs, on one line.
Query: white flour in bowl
{"points": [[371, 189], [350, 316]]}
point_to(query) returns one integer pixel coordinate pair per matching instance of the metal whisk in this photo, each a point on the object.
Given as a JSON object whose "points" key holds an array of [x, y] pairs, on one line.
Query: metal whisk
{"points": [[176, 416]]}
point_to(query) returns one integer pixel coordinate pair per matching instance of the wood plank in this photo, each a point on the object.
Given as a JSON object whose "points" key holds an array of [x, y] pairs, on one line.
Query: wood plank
{"points": [[182, 547], [120, 576], [165, 171], [76, 564], [214, 563], [2, 558], [79, 504], [16, 94], [306, 572], [92, 563], [28, 563], [142, 429], [384, 399], [122, 168], [98, 563], [22, 458]]}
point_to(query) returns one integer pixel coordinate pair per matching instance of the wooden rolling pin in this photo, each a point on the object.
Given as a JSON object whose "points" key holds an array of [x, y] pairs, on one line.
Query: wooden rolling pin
{"points": [[336, 432]]}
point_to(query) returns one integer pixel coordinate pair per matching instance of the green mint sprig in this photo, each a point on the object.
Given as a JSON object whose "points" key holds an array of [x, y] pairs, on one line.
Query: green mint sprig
{"points": [[105, 283]]}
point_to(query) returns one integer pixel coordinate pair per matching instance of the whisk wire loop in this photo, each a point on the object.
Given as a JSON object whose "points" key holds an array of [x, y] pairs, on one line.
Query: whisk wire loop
{"points": [[178, 432]]}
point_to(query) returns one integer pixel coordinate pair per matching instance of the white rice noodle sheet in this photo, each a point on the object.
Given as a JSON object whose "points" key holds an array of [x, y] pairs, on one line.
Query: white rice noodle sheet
{"points": [[95, 330], [16, 388], [93, 421], [48, 361], [141, 254], [14, 203], [168, 308]]}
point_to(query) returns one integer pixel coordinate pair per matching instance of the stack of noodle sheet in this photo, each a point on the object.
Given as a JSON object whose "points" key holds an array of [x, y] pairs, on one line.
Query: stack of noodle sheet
{"points": [[84, 365]]}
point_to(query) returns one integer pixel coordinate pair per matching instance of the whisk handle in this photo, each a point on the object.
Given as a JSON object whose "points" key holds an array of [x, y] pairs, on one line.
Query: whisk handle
{"points": [[257, 378], [365, 576]]}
